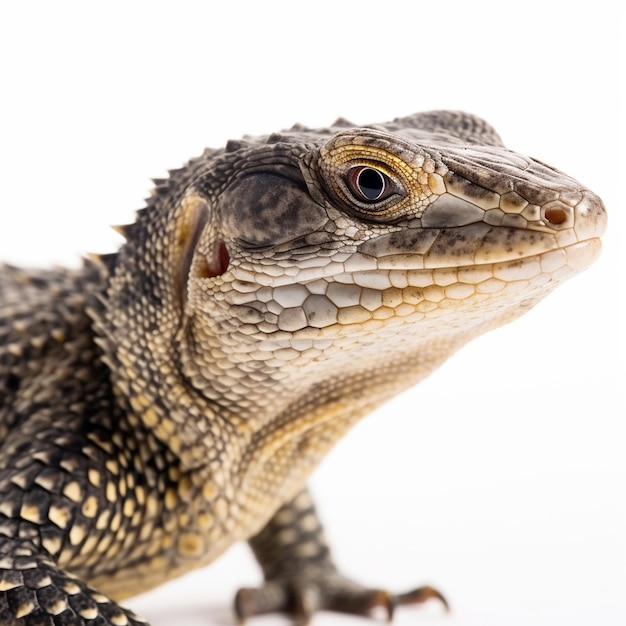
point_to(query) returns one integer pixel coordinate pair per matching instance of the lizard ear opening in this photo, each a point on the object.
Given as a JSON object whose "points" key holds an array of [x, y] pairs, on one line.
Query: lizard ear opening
{"points": [[215, 264]]}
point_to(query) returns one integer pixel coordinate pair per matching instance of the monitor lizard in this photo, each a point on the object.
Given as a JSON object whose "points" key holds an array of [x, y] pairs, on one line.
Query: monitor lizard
{"points": [[161, 403]]}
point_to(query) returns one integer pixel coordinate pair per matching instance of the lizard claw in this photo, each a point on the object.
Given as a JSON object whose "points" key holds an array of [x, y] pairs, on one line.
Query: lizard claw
{"points": [[390, 602], [420, 595]]}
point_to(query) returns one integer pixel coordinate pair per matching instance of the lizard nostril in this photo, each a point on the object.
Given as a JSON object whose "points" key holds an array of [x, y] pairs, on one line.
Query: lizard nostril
{"points": [[555, 216]]}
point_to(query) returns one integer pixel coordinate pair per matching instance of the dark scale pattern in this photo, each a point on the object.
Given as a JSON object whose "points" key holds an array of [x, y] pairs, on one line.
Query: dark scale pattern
{"points": [[44, 595], [169, 400]]}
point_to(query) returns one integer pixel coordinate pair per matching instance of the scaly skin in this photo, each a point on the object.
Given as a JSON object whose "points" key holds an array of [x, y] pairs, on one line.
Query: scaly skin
{"points": [[173, 399]]}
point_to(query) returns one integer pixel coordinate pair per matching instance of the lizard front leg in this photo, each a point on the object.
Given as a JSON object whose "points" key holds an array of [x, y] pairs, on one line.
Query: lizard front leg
{"points": [[36, 592], [62, 520], [301, 577]]}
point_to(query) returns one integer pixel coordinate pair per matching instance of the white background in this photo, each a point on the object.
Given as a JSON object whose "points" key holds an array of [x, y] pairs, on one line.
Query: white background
{"points": [[502, 478]]}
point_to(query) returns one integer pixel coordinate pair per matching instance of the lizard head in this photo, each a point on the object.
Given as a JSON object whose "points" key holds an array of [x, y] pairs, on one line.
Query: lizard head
{"points": [[281, 262], [318, 236]]}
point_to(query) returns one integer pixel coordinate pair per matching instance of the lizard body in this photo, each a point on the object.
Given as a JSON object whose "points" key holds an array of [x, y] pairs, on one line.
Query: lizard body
{"points": [[173, 398]]}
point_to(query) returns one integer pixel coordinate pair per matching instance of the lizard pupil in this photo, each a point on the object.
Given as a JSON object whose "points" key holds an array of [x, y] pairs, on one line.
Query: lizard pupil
{"points": [[370, 183]]}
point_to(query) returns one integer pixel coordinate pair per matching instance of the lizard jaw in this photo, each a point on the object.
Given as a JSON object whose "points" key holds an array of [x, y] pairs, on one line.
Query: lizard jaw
{"points": [[390, 292]]}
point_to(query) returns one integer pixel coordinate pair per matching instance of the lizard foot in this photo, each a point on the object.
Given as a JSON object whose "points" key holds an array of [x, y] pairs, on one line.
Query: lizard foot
{"points": [[301, 596]]}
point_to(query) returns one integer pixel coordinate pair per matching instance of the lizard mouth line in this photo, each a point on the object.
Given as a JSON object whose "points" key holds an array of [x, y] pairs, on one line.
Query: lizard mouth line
{"points": [[414, 270], [432, 262], [571, 258]]}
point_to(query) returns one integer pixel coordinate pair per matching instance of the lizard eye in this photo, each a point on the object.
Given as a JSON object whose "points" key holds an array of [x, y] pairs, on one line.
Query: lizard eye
{"points": [[368, 184]]}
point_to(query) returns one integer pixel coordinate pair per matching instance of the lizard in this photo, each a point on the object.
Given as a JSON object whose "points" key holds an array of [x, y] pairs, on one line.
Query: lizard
{"points": [[163, 402]]}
